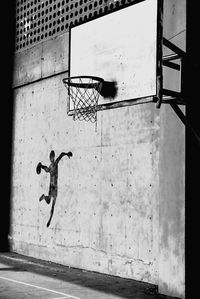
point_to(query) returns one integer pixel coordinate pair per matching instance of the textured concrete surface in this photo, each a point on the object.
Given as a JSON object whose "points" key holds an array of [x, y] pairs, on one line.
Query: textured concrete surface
{"points": [[106, 215], [23, 278], [171, 172], [120, 207], [45, 59]]}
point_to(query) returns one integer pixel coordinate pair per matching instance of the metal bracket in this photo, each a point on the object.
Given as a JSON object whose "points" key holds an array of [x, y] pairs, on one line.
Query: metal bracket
{"points": [[166, 95], [172, 97]]}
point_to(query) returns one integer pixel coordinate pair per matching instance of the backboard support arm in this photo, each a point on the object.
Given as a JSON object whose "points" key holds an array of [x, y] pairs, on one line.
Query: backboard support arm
{"points": [[172, 97], [166, 95], [183, 118]]}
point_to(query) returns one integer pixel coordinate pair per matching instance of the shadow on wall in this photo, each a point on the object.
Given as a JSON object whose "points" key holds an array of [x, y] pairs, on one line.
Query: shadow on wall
{"points": [[53, 185], [109, 89], [7, 58]]}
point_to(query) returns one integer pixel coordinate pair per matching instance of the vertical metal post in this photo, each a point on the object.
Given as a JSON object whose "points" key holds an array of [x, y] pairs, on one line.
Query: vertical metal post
{"points": [[159, 70]]}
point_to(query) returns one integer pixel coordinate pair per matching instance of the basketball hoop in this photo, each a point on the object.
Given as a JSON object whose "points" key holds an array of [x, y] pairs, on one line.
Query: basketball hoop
{"points": [[84, 92]]}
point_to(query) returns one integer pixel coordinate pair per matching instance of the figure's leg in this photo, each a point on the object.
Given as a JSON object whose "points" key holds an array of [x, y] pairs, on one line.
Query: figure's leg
{"points": [[41, 197], [52, 210], [47, 199]]}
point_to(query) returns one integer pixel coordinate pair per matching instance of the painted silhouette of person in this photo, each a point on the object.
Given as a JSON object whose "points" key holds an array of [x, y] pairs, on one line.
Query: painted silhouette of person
{"points": [[53, 186]]}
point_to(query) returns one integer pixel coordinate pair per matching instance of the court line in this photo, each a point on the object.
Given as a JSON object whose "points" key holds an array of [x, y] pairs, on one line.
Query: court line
{"points": [[41, 288]]}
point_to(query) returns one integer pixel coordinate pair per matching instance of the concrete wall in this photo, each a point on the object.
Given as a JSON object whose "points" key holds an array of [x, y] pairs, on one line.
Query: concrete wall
{"points": [[106, 212], [120, 204], [171, 172]]}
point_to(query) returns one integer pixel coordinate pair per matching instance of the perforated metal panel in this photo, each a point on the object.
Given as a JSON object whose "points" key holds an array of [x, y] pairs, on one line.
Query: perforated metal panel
{"points": [[37, 20]]}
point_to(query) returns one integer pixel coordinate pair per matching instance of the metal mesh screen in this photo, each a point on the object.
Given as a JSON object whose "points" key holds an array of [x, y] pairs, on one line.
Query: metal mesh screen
{"points": [[38, 20]]}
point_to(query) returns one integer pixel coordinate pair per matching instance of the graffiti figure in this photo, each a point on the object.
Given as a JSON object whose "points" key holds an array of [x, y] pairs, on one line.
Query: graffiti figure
{"points": [[53, 186]]}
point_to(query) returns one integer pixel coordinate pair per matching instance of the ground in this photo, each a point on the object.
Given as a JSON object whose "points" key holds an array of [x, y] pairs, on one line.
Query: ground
{"points": [[25, 277]]}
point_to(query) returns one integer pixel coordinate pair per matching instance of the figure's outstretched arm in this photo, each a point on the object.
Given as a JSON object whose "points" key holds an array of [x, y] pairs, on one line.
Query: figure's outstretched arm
{"points": [[51, 213], [44, 167], [40, 166], [69, 154]]}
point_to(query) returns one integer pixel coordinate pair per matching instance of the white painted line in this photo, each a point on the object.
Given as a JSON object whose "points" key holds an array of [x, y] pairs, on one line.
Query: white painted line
{"points": [[41, 288]]}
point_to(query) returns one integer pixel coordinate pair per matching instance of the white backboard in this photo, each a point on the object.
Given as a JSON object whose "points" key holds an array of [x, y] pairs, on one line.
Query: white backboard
{"points": [[120, 47]]}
